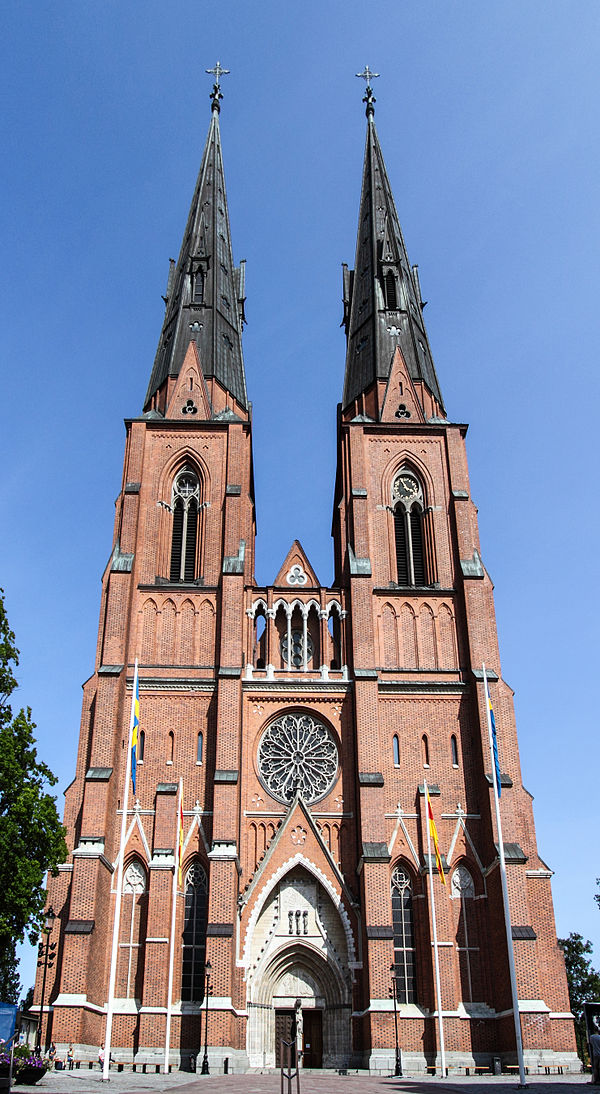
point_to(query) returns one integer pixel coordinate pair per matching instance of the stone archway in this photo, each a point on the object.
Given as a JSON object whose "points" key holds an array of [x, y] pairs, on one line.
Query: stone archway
{"points": [[300, 951]]}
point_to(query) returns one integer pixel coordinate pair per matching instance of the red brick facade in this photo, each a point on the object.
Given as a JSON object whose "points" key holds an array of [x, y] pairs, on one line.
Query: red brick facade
{"points": [[381, 685]]}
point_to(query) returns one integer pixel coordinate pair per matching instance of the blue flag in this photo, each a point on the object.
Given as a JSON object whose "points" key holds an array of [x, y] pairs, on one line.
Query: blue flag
{"points": [[496, 773], [8, 1014]]}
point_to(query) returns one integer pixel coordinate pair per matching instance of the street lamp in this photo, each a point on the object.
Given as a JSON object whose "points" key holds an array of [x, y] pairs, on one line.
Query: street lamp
{"points": [[45, 951], [207, 972], [394, 993]]}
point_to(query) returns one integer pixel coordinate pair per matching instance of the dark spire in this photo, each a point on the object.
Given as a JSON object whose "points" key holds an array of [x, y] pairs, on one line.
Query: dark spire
{"points": [[205, 293], [382, 299]]}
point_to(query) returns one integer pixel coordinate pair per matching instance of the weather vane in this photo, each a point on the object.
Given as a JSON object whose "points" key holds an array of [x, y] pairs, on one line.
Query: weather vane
{"points": [[215, 94], [369, 97]]}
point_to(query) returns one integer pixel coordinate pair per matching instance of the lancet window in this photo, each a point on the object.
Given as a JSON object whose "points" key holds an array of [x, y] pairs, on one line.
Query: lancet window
{"points": [[463, 889], [194, 934], [412, 532], [185, 504], [404, 943], [133, 930]]}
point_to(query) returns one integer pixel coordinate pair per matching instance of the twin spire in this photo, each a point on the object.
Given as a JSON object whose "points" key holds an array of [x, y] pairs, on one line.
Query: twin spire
{"points": [[205, 294]]}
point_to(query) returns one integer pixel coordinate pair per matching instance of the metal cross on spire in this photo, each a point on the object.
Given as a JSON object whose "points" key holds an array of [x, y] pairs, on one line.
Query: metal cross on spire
{"points": [[369, 97], [215, 94], [367, 75]]}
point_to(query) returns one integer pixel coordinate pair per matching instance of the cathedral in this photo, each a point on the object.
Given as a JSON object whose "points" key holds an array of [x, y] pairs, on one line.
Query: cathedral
{"points": [[301, 724]]}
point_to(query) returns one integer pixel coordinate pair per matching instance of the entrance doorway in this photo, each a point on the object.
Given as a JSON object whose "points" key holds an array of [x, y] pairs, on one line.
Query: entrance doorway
{"points": [[312, 1038]]}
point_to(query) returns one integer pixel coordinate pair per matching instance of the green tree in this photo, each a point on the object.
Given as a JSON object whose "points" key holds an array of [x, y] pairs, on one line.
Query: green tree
{"points": [[583, 981], [31, 835]]}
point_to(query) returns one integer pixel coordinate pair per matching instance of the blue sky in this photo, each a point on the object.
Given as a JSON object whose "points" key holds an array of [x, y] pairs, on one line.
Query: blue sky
{"points": [[487, 115]]}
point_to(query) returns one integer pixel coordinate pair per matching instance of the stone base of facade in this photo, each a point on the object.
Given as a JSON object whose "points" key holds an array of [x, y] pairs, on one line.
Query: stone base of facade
{"points": [[540, 1062], [224, 1061]]}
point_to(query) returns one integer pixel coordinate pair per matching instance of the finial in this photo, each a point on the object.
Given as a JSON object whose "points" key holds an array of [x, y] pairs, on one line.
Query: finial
{"points": [[215, 94], [369, 97]]}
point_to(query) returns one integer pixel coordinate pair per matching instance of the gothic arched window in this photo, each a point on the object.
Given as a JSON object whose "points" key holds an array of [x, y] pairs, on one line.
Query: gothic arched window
{"points": [[463, 889], [200, 748], [133, 931], [185, 503], [413, 567], [396, 750], [194, 934], [454, 750], [404, 940], [141, 748]]}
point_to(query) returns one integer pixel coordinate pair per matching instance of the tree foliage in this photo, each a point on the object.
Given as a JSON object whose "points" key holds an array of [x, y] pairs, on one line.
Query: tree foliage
{"points": [[583, 981], [31, 835]]}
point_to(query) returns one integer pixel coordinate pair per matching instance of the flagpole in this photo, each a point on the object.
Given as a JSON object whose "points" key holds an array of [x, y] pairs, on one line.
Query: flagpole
{"points": [[119, 896], [176, 867], [507, 924], [438, 989]]}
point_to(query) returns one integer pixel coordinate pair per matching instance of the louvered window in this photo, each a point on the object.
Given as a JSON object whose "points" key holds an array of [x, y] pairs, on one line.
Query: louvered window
{"points": [[414, 562], [404, 943], [194, 935], [391, 300], [401, 545], [184, 544], [416, 534]]}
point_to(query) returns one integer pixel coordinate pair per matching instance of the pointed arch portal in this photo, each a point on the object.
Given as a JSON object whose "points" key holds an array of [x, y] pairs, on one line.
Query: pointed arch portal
{"points": [[299, 975]]}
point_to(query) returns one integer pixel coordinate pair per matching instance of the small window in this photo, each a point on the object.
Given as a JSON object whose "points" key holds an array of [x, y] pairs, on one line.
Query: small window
{"points": [[141, 747], [396, 750], [200, 748], [170, 747], [198, 288], [454, 750], [425, 750]]}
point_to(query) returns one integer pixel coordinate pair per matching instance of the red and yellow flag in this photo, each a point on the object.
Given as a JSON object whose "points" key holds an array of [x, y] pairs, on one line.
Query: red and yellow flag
{"points": [[180, 841], [434, 836]]}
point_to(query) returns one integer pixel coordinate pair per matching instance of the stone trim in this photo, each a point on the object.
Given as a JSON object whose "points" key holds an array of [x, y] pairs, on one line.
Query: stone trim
{"points": [[80, 926], [370, 778], [98, 774]]}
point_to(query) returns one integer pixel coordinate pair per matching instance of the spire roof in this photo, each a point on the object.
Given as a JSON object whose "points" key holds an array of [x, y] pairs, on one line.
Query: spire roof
{"points": [[382, 300], [205, 293]]}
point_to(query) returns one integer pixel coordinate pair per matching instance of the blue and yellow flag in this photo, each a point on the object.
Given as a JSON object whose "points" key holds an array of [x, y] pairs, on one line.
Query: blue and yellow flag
{"points": [[135, 725], [494, 740]]}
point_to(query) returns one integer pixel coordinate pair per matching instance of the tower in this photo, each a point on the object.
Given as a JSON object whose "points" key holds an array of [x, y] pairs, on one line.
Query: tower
{"points": [[302, 720]]}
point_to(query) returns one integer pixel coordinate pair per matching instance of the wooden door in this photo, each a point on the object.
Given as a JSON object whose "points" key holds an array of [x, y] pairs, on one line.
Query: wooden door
{"points": [[285, 1030], [312, 1038]]}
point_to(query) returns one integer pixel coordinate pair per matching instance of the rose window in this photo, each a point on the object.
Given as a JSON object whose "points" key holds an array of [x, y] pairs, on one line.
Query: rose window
{"points": [[297, 754]]}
